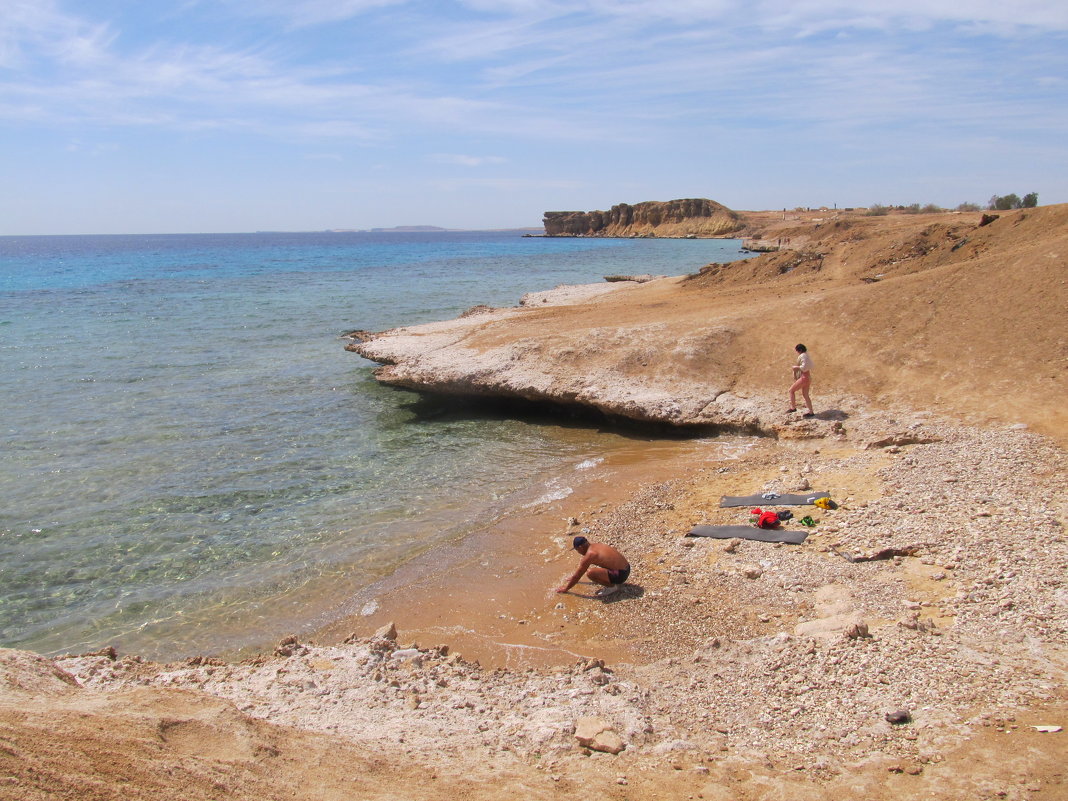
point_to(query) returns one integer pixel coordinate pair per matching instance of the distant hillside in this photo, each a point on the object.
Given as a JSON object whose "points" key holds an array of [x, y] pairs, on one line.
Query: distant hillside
{"points": [[693, 217]]}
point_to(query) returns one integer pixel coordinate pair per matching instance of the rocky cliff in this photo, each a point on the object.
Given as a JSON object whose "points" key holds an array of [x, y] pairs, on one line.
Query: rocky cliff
{"points": [[672, 218]]}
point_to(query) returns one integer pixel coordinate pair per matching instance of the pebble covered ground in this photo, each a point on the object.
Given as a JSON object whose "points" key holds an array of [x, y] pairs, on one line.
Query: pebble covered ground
{"points": [[933, 601]]}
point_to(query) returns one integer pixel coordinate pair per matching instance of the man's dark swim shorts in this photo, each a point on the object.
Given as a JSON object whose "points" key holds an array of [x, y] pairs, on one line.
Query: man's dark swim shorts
{"points": [[619, 576]]}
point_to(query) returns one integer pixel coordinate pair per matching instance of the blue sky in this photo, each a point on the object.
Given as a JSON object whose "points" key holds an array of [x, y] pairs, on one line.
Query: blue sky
{"points": [[126, 116]]}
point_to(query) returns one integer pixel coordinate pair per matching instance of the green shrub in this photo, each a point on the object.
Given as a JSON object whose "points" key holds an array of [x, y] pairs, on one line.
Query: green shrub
{"points": [[1012, 201]]}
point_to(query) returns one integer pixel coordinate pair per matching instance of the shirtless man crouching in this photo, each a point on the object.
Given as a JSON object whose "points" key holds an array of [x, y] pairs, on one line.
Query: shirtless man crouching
{"points": [[602, 563]]}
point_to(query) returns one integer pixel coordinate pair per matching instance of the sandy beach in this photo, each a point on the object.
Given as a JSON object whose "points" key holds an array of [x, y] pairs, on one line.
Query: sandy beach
{"points": [[912, 647]]}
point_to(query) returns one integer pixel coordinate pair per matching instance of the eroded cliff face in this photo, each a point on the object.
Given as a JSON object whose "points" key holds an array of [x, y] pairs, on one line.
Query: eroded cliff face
{"points": [[672, 218]]}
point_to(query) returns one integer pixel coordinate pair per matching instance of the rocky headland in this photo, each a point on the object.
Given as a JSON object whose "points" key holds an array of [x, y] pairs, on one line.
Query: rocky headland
{"points": [[691, 217], [912, 647], [933, 310]]}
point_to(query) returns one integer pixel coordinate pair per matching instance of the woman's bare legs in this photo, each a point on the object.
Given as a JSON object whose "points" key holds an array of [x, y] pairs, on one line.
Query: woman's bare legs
{"points": [[802, 384]]}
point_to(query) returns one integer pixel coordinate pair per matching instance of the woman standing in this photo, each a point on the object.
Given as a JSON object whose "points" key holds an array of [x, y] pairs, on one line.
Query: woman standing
{"points": [[802, 380]]}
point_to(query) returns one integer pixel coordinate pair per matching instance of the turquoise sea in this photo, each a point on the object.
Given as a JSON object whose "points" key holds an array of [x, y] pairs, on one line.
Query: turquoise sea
{"points": [[191, 463]]}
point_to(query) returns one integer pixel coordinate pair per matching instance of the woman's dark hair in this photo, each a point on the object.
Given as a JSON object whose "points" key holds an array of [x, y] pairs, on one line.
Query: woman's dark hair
{"points": [[800, 348]]}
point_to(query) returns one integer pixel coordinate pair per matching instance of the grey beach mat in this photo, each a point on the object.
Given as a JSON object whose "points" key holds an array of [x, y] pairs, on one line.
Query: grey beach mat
{"points": [[749, 533], [775, 500]]}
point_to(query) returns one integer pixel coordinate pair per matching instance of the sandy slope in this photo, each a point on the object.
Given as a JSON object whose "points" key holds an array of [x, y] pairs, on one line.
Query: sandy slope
{"points": [[731, 672]]}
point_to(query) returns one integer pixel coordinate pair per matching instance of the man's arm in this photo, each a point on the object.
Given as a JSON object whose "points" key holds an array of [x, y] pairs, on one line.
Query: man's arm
{"points": [[584, 565]]}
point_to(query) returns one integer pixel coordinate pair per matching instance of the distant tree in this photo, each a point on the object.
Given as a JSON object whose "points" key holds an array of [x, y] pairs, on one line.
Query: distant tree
{"points": [[878, 210], [969, 207], [1006, 202], [931, 208], [1030, 200], [913, 209]]}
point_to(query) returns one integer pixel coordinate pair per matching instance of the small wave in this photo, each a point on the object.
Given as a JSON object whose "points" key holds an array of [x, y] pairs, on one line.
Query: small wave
{"points": [[586, 465], [557, 494]]}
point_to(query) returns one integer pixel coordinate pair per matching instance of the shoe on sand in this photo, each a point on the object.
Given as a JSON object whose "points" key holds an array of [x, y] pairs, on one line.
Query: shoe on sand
{"points": [[604, 592], [790, 410], [808, 414]]}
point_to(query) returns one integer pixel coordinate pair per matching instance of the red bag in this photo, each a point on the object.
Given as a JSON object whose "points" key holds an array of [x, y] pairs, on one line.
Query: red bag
{"points": [[762, 519]]}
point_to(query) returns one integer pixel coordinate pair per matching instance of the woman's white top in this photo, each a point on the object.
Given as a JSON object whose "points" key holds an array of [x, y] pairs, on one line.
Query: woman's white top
{"points": [[804, 361]]}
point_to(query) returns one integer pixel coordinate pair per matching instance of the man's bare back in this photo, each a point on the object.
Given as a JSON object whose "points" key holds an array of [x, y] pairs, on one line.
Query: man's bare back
{"points": [[601, 563]]}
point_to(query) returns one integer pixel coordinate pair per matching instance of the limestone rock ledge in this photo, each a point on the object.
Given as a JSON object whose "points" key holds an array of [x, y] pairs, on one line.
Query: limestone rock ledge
{"points": [[641, 372], [690, 217]]}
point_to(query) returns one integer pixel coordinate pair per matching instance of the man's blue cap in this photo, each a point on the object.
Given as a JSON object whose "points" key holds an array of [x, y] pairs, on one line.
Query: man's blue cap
{"points": [[579, 542]]}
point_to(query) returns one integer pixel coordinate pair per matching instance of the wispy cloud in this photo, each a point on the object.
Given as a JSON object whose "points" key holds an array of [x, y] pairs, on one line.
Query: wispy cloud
{"points": [[465, 161], [300, 13], [520, 92], [550, 69]]}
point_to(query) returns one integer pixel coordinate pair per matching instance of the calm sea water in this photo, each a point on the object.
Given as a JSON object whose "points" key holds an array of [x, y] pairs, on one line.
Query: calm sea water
{"points": [[191, 463]]}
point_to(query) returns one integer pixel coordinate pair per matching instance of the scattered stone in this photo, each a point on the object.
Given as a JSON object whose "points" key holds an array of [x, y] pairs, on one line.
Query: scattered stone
{"points": [[387, 632], [857, 631], [290, 646], [597, 735], [898, 717]]}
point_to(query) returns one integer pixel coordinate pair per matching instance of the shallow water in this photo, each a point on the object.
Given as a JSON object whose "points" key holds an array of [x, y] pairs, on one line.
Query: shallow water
{"points": [[192, 462]]}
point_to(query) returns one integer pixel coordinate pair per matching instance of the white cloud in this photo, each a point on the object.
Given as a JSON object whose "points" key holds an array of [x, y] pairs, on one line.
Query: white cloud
{"points": [[37, 28], [301, 13], [465, 161], [625, 72], [549, 69]]}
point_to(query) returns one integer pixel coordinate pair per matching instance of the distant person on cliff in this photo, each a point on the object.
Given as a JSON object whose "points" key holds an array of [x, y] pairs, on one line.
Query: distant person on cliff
{"points": [[602, 563], [802, 380]]}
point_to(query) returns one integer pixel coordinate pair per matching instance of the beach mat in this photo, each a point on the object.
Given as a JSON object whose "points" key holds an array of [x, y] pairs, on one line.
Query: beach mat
{"points": [[749, 533], [778, 500]]}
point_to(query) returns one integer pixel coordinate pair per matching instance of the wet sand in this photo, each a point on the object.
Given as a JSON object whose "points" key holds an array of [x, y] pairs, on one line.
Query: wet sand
{"points": [[491, 597]]}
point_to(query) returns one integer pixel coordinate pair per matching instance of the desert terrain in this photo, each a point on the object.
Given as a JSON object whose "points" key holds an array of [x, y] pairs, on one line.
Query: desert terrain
{"points": [[912, 647]]}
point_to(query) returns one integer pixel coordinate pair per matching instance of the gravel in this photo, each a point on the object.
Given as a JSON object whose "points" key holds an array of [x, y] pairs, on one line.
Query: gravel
{"points": [[748, 649]]}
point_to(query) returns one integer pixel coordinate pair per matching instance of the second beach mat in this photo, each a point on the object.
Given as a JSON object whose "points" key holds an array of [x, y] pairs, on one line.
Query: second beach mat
{"points": [[749, 533], [771, 499]]}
